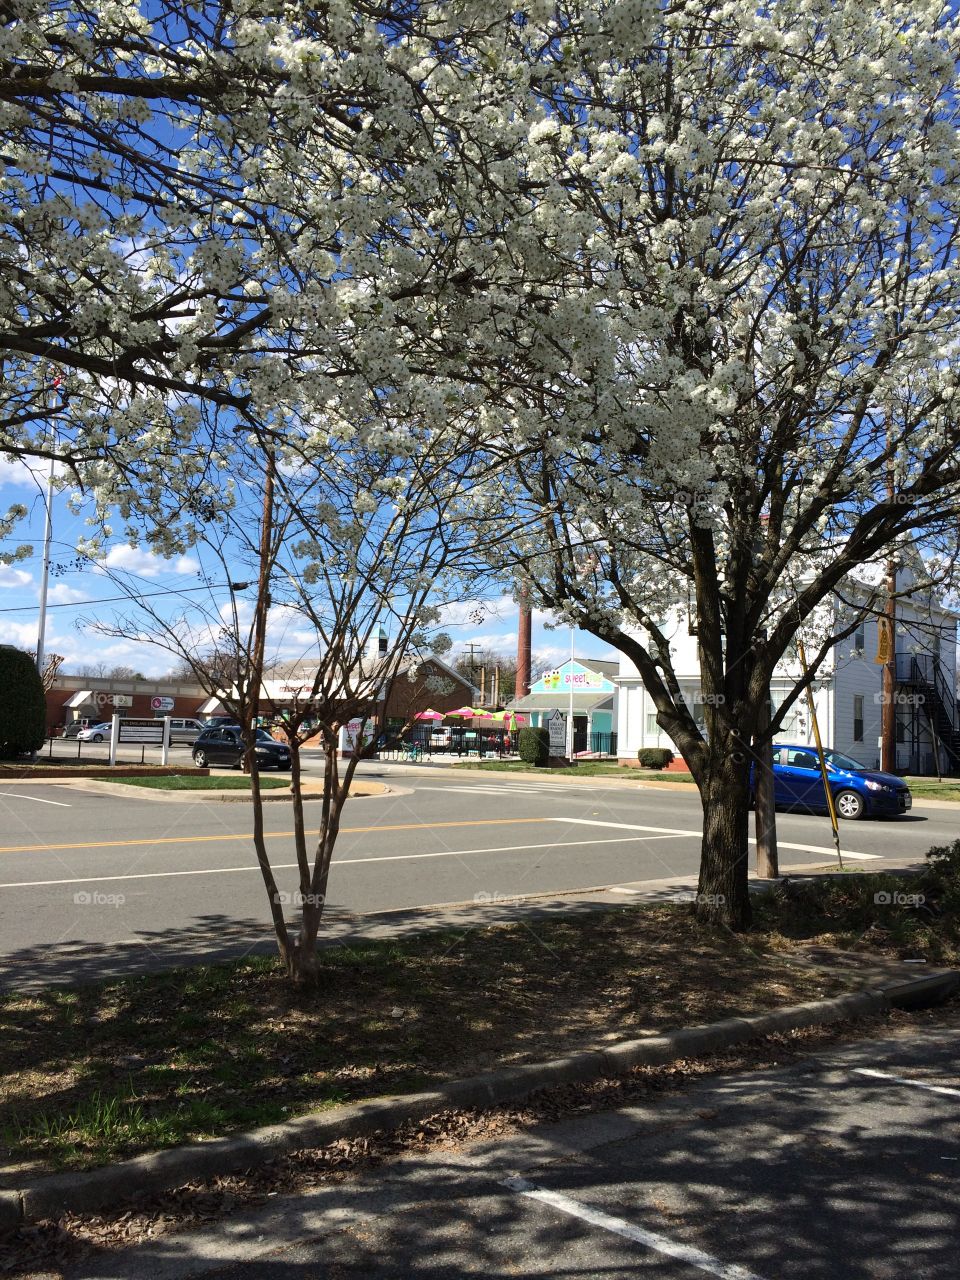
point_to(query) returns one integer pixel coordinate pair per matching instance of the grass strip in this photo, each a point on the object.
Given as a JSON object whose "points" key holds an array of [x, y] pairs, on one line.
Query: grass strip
{"points": [[931, 789], [201, 782]]}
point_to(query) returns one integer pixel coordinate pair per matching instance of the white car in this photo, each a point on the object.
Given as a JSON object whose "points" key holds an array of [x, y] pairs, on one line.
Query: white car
{"points": [[94, 733]]}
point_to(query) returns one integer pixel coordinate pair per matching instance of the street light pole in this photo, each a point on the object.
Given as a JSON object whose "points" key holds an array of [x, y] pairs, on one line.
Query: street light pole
{"points": [[570, 701]]}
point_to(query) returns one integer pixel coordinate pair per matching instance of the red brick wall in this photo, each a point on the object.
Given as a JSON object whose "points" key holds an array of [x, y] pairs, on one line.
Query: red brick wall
{"points": [[58, 714], [410, 696]]}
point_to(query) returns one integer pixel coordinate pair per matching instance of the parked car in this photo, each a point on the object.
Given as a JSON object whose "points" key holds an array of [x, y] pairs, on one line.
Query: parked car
{"points": [[183, 729], [74, 728], [95, 732], [217, 722], [858, 791], [225, 746]]}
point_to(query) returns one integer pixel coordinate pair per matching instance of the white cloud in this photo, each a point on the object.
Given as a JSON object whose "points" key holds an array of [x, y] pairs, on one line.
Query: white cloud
{"points": [[21, 634], [10, 577], [62, 594], [146, 564], [23, 475]]}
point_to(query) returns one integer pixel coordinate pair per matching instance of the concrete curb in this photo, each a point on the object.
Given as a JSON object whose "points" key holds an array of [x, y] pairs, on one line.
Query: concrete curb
{"points": [[163, 1170]]}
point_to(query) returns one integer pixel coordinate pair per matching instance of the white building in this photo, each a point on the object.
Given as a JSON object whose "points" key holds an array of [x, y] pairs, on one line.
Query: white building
{"points": [[847, 693]]}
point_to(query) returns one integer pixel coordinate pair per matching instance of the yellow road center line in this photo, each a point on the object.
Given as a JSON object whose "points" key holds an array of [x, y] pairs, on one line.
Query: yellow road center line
{"points": [[269, 835]]}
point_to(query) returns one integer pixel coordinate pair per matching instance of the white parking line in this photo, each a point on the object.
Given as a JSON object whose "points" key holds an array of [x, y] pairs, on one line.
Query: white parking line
{"points": [[914, 1084], [820, 848], [620, 1227], [783, 844], [17, 796], [338, 862], [627, 826]]}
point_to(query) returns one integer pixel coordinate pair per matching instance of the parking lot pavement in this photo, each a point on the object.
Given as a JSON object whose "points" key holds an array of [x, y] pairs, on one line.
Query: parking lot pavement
{"points": [[824, 1170]]}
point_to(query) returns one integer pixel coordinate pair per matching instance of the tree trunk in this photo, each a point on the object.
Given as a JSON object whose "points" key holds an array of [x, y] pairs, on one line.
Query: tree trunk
{"points": [[722, 894]]}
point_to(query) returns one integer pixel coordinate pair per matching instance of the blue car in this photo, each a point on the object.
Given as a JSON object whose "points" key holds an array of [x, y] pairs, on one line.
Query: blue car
{"points": [[858, 792]]}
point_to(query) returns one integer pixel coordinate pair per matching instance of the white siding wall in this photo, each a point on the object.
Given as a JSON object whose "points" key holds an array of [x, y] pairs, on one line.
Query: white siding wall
{"points": [[856, 674], [847, 673]]}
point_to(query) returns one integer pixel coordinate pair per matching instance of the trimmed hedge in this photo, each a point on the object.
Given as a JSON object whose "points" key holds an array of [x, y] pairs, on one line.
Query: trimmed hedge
{"points": [[23, 705], [655, 757], [533, 746]]}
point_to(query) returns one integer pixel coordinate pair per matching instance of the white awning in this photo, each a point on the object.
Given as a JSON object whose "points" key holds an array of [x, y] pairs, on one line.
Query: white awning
{"points": [[209, 707], [78, 699]]}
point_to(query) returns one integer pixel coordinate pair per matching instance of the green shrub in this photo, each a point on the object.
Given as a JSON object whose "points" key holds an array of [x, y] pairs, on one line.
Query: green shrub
{"points": [[655, 757], [23, 706], [533, 746]]}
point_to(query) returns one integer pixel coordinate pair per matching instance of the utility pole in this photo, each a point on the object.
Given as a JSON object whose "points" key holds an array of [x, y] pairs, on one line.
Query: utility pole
{"points": [[472, 648]]}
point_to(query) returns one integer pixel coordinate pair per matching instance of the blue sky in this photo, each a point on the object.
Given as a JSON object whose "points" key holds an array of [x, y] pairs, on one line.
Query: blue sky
{"points": [[74, 583]]}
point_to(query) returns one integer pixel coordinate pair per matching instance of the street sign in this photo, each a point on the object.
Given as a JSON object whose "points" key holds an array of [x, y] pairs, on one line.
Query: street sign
{"points": [[162, 704], [557, 726]]}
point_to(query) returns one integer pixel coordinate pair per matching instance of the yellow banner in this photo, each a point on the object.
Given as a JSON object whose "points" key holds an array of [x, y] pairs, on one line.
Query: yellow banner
{"points": [[883, 642]]}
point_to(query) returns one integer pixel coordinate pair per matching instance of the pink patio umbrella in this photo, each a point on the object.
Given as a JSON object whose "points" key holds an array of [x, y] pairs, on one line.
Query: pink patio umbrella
{"points": [[429, 714], [510, 718]]}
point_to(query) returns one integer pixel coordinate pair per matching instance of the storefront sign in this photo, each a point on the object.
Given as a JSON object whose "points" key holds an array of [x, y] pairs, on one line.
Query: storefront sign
{"points": [[354, 733], [162, 704], [575, 677]]}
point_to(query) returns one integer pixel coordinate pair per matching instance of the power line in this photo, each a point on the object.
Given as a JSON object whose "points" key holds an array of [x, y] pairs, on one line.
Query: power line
{"points": [[145, 595]]}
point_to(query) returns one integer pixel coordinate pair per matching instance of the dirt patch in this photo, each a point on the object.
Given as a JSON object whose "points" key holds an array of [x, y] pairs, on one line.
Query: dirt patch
{"points": [[163, 1059]]}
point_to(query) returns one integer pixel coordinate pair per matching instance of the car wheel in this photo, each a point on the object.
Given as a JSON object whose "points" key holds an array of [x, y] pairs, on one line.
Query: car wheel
{"points": [[200, 759], [849, 805], [98, 737]]}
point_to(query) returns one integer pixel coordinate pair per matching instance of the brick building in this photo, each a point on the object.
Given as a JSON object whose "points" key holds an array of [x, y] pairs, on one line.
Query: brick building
{"points": [[94, 699]]}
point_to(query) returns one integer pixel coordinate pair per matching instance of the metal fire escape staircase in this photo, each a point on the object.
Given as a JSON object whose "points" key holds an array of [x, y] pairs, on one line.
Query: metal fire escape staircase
{"points": [[923, 674]]}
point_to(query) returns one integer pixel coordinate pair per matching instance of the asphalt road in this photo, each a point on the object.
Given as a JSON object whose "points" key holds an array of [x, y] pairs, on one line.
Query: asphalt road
{"points": [[92, 884], [844, 1166]]}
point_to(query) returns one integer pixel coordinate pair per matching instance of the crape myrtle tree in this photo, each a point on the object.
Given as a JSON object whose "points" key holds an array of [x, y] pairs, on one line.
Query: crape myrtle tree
{"points": [[349, 530], [729, 362]]}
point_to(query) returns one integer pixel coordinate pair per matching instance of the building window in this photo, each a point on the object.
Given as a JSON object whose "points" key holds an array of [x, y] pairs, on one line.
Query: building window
{"points": [[860, 640], [858, 717], [652, 727]]}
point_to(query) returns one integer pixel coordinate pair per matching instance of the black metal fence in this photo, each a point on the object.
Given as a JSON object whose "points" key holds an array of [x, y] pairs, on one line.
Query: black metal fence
{"points": [[423, 741], [71, 749]]}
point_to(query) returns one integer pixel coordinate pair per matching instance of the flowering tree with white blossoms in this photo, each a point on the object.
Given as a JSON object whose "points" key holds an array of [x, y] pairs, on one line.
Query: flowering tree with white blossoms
{"points": [[236, 205], [728, 365]]}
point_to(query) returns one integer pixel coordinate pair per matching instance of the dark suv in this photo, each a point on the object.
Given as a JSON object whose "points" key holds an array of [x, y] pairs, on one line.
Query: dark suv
{"points": [[225, 746]]}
